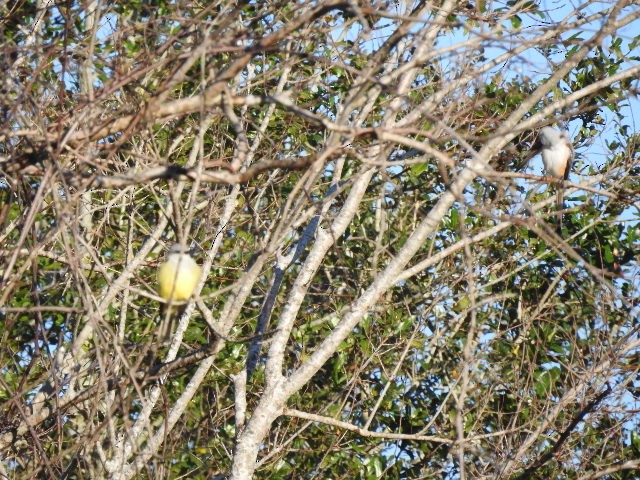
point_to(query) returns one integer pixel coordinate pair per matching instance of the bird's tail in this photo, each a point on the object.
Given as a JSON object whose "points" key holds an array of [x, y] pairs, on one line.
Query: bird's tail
{"points": [[560, 204], [169, 315], [560, 197]]}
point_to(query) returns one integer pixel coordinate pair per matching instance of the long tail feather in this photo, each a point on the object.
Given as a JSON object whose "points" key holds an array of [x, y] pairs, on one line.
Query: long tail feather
{"points": [[560, 204]]}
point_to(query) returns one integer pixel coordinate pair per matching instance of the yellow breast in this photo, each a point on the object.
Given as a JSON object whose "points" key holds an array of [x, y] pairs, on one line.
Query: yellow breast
{"points": [[177, 277]]}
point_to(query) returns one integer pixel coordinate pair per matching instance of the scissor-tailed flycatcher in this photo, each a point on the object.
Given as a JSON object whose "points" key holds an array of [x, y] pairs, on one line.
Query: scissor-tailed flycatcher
{"points": [[557, 156]]}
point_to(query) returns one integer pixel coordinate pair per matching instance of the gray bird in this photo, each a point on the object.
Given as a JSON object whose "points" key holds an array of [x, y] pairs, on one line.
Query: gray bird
{"points": [[557, 156]]}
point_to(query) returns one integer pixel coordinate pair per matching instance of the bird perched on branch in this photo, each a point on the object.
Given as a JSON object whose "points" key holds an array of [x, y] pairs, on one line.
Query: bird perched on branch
{"points": [[177, 279], [557, 156]]}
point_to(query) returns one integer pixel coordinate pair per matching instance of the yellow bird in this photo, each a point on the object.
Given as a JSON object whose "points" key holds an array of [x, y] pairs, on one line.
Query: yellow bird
{"points": [[177, 279], [178, 275]]}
